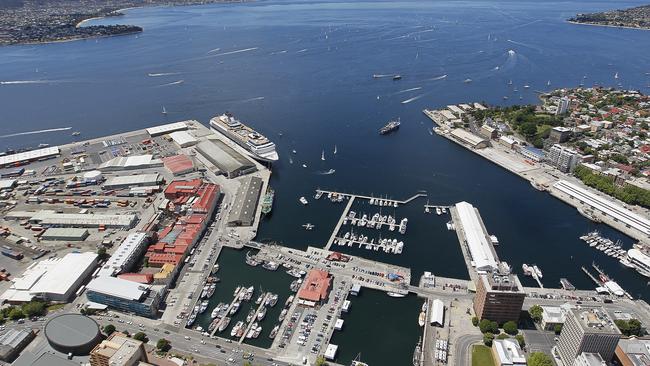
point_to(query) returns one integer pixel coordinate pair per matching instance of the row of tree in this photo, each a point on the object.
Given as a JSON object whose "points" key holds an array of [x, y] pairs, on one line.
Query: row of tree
{"points": [[629, 194]]}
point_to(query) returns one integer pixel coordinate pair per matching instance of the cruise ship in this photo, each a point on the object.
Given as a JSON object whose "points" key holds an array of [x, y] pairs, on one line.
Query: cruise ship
{"points": [[256, 144]]}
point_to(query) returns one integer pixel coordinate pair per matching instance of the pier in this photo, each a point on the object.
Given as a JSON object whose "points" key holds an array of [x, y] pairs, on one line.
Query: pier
{"points": [[340, 222], [368, 245], [389, 200], [249, 325], [232, 303]]}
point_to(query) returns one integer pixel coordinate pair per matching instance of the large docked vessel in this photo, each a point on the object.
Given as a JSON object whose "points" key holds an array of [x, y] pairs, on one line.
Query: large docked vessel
{"points": [[256, 144], [267, 202], [390, 127]]}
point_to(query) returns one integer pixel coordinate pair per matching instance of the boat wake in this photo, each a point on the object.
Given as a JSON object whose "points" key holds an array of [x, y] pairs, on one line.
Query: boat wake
{"points": [[154, 75], [236, 51], [524, 45], [178, 82], [251, 99], [408, 90], [301, 51], [279, 52], [22, 82], [412, 99], [36, 132], [437, 77], [329, 172], [214, 50]]}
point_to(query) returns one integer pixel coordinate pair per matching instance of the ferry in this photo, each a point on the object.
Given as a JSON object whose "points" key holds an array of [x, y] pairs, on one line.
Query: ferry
{"points": [[257, 145], [390, 127], [267, 202]]}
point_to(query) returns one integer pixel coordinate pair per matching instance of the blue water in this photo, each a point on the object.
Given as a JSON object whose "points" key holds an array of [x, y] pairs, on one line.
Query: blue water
{"points": [[304, 70]]}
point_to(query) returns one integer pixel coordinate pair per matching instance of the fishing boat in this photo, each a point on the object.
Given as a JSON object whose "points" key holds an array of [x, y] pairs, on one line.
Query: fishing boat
{"points": [[274, 331], [267, 202]]}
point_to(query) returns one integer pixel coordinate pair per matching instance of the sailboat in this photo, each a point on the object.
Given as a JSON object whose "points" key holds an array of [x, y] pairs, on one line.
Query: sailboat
{"points": [[616, 75], [334, 149], [290, 160], [548, 83], [164, 111], [322, 155]]}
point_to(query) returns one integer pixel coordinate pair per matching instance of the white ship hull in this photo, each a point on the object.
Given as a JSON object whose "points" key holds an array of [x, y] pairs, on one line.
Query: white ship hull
{"points": [[269, 156]]}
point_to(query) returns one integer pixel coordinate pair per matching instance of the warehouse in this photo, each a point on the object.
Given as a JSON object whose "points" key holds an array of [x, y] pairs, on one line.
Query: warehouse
{"points": [[229, 162], [604, 205], [65, 234], [183, 138], [12, 341], [138, 180], [179, 164], [165, 129], [245, 204], [53, 279], [124, 295], [28, 156], [476, 239], [130, 163], [50, 218], [469, 138]]}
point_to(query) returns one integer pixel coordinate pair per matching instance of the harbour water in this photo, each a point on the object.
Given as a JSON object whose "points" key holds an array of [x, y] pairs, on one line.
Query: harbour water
{"points": [[301, 73]]}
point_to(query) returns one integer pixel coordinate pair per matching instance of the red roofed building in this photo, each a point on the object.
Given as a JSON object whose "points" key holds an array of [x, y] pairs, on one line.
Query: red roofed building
{"points": [[145, 278], [182, 188], [316, 286], [178, 164]]}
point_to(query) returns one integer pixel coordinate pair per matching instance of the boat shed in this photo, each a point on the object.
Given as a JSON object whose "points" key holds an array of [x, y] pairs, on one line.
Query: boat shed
{"points": [[346, 306], [480, 249], [330, 352], [165, 129], [245, 204], [604, 205], [437, 312], [229, 162], [339, 324]]}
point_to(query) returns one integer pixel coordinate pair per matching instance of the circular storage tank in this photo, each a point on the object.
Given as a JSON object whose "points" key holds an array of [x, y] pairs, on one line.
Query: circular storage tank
{"points": [[72, 333], [93, 175]]}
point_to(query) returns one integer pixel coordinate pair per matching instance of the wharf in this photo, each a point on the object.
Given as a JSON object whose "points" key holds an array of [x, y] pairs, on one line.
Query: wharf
{"points": [[389, 200], [340, 222], [249, 325], [462, 240]]}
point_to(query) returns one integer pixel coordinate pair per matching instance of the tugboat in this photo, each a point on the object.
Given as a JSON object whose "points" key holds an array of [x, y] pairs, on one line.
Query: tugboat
{"points": [[267, 202], [390, 127]]}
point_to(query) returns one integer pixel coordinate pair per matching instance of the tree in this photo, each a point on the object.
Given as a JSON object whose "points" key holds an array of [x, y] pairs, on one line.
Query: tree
{"points": [[101, 252], [488, 326], [320, 361], [140, 336], [33, 308], [528, 129], [163, 345], [539, 359], [503, 336], [510, 327], [535, 312], [521, 340], [487, 339], [474, 321], [629, 327], [109, 329], [557, 328], [16, 314]]}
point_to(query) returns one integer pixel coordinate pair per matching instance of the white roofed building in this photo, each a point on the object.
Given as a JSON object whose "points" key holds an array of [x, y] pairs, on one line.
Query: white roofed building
{"points": [[183, 138], [165, 129], [54, 279], [437, 312], [506, 352], [126, 255], [480, 249], [130, 163]]}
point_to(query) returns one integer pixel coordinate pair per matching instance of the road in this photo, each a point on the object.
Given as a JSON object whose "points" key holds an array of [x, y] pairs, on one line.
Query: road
{"points": [[462, 348]]}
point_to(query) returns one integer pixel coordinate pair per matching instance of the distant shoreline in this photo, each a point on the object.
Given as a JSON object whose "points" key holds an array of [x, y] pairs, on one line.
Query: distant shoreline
{"points": [[608, 25], [73, 39]]}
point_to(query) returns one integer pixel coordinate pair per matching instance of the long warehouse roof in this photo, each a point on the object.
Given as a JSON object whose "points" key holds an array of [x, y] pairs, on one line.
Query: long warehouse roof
{"points": [[29, 155], [606, 206], [116, 287], [479, 247]]}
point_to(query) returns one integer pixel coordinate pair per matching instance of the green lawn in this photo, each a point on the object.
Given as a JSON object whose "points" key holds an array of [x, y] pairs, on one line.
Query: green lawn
{"points": [[482, 356]]}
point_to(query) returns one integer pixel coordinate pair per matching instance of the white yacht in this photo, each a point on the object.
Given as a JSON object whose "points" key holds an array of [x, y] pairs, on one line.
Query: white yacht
{"points": [[256, 144]]}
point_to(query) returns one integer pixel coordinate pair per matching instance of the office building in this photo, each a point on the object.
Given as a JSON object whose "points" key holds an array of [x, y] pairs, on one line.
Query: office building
{"points": [[118, 350], [589, 359], [588, 330], [124, 295], [559, 134], [126, 255], [499, 296]]}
